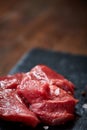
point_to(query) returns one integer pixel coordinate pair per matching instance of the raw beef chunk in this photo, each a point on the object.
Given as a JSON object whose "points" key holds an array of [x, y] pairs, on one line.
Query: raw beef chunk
{"points": [[11, 81], [41, 95], [41, 72], [33, 90], [13, 109]]}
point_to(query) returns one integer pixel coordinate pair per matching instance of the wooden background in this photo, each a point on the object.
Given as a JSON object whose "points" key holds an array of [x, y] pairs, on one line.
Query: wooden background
{"points": [[59, 25]]}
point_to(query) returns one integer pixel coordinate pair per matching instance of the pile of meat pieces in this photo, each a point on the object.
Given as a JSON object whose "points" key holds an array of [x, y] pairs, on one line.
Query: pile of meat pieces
{"points": [[40, 95]]}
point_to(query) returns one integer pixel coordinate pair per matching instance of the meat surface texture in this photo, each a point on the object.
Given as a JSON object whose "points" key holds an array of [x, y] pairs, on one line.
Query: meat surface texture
{"points": [[44, 73], [11, 81], [12, 108], [40, 95]]}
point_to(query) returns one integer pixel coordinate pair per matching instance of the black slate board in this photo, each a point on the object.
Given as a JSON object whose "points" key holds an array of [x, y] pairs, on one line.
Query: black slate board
{"points": [[73, 67]]}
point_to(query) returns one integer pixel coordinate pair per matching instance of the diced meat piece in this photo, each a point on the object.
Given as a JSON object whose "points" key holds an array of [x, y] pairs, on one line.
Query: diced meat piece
{"points": [[54, 112], [42, 72], [12, 108], [33, 90], [64, 84], [52, 106], [11, 81], [60, 94]]}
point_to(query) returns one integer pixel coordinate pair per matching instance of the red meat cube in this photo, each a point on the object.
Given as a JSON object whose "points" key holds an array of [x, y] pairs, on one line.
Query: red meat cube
{"points": [[13, 109]]}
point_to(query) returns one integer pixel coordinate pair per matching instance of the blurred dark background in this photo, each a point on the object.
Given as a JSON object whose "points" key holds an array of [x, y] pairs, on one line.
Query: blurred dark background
{"points": [[59, 25]]}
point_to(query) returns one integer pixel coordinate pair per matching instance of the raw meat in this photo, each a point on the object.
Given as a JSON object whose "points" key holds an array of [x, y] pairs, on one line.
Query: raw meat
{"points": [[41, 72], [13, 109], [53, 112], [11, 81], [57, 110], [39, 94], [33, 90]]}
